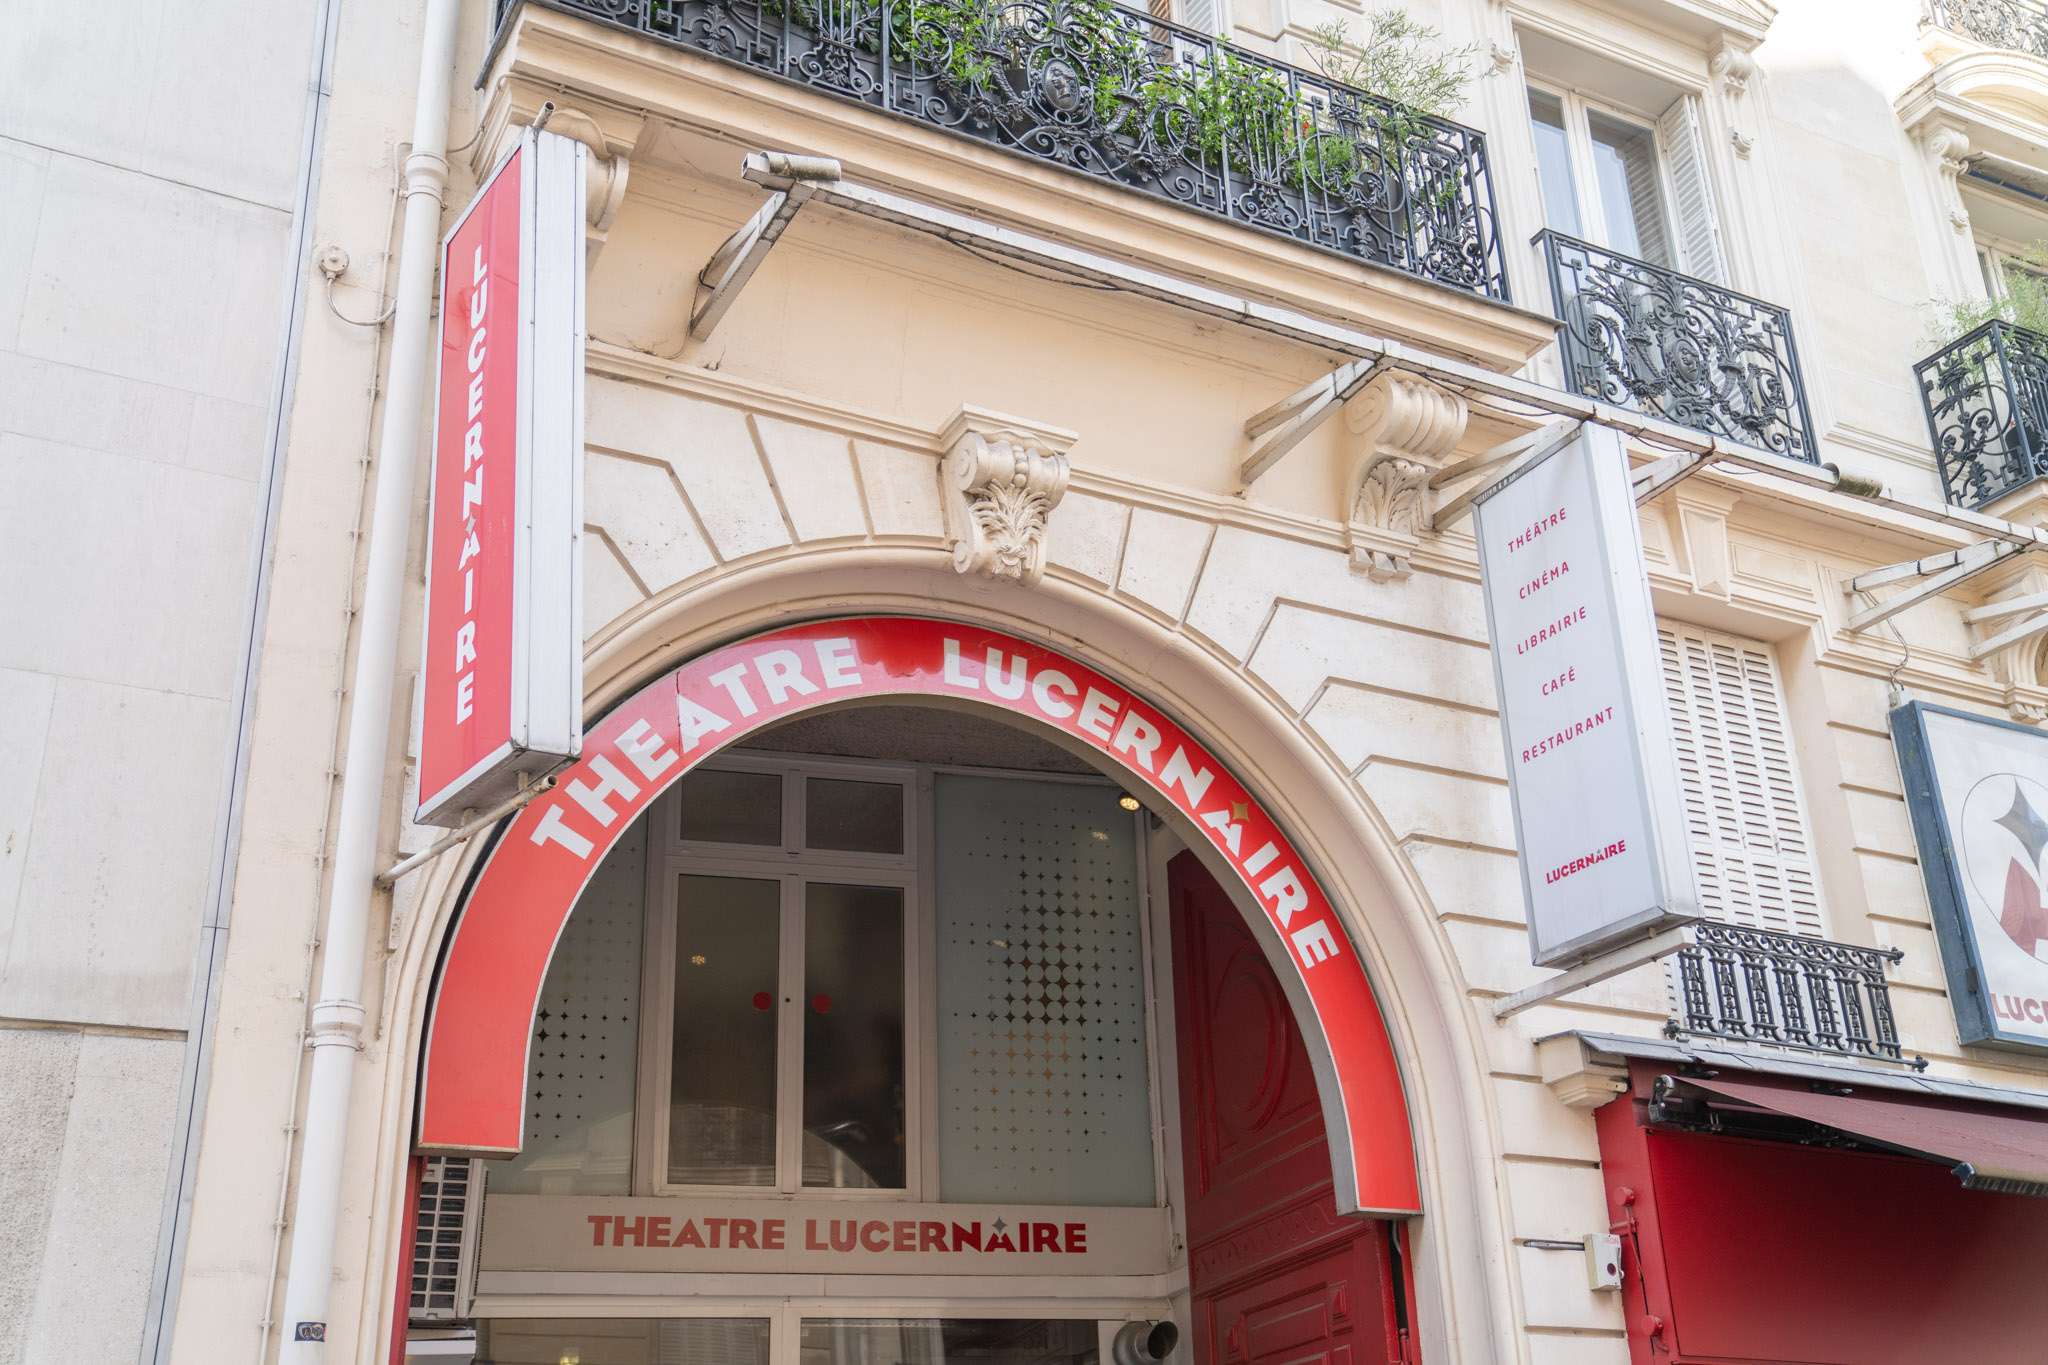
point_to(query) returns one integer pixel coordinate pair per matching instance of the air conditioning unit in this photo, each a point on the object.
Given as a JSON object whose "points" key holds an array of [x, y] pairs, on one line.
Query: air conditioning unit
{"points": [[447, 1218]]}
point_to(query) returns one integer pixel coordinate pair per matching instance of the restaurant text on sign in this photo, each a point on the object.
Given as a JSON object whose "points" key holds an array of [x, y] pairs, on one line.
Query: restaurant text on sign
{"points": [[475, 1066]]}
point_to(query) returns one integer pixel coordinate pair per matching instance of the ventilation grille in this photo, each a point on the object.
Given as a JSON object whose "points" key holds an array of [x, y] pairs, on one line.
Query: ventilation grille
{"points": [[1752, 857], [441, 1242]]}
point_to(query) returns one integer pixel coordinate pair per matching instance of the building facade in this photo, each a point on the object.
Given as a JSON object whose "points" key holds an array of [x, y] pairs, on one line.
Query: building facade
{"points": [[1040, 879]]}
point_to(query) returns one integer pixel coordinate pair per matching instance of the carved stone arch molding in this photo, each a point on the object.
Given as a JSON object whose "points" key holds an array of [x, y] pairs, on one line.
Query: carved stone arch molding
{"points": [[1468, 1293]]}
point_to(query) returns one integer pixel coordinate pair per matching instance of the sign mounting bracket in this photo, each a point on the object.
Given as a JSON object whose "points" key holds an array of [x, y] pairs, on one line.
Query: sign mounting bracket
{"points": [[793, 180], [1936, 574], [1501, 459], [1292, 420]]}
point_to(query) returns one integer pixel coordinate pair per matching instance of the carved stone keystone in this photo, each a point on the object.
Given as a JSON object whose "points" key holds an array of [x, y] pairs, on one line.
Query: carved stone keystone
{"points": [[1408, 428], [1003, 477]]}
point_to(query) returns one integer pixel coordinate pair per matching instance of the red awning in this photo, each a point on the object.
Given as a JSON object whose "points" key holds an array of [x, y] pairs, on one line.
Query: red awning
{"points": [[1990, 1148]]}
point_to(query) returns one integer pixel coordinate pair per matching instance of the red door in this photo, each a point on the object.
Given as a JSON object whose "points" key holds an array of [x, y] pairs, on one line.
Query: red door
{"points": [[1277, 1275]]}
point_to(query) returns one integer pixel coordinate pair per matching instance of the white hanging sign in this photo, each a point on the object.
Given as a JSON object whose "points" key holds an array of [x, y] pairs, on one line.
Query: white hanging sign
{"points": [[1598, 813]]}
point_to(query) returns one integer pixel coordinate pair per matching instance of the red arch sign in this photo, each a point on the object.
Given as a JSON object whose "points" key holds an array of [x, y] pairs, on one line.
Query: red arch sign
{"points": [[473, 1079]]}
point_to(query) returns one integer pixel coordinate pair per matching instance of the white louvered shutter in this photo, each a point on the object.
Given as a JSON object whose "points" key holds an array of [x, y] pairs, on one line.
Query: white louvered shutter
{"points": [[1692, 197], [1199, 15], [1752, 855], [444, 1238]]}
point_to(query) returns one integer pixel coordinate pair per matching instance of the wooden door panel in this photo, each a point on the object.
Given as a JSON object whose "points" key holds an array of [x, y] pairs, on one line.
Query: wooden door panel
{"points": [[1251, 1125], [1328, 1310], [1278, 1276]]}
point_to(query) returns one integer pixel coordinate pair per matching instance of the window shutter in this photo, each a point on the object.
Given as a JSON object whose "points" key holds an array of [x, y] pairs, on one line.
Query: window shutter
{"points": [[1199, 15], [1752, 857], [1698, 225]]}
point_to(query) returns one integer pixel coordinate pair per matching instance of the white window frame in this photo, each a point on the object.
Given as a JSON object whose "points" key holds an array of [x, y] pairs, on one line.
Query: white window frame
{"points": [[1578, 136], [792, 865], [1997, 255]]}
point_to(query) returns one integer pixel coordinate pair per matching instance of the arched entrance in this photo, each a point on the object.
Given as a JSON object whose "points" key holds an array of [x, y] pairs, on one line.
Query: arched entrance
{"points": [[474, 1065]]}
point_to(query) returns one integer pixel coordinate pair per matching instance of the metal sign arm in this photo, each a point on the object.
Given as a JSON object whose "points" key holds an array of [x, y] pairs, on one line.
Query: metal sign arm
{"points": [[1938, 573], [2032, 626], [1294, 418], [1660, 475], [794, 179], [1505, 457]]}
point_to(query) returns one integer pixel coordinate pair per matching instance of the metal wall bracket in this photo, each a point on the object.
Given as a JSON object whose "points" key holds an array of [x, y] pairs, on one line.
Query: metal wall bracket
{"points": [[2011, 635], [1614, 963], [1504, 459], [1937, 574], [794, 179], [1295, 418]]}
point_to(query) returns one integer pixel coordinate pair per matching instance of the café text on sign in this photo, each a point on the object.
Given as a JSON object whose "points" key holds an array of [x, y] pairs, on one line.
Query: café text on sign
{"points": [[1590, 768], [501, 673]]}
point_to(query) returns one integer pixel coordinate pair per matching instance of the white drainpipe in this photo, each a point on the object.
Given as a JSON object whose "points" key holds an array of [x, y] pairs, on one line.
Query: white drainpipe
{"points": [[337, 1019]]}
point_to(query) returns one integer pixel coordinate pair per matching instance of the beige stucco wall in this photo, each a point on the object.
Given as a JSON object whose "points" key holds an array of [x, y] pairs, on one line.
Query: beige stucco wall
{"points": [[794, 458]]}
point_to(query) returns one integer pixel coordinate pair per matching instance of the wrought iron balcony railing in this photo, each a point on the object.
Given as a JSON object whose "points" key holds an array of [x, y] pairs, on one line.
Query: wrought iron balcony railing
{"points": [[1810, 994], [1643, 337], [2021, 25], [1986, 396], [1120, 95]]}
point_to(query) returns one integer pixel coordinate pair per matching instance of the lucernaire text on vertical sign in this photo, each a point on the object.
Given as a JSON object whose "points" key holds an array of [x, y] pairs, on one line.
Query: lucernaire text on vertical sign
{"points": [[1977, 789], [1591, 773], [502, 674]]}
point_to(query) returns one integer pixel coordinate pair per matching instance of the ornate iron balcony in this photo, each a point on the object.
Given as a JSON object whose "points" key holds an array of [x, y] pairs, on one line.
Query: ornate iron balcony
{"points": [[2021, 25], [1120, 95], [1986, 397], [1643, 337], [1760, 986]]}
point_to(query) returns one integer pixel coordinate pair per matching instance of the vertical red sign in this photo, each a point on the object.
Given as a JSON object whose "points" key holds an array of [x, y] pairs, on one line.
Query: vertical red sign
{"points": [[466, 720]]}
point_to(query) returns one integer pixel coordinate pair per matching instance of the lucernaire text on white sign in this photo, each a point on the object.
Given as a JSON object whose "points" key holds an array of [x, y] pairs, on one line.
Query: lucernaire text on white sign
{"points": [[1977, 789], [501, 679], [545, 1232], [1590, 768]]}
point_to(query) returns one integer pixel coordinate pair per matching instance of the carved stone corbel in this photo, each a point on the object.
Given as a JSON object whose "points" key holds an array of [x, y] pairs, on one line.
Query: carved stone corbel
{"points": [[1578, 1079], [1946, 147], [1003, 477], [604, 183], [1407, 428], [611, 135], [1733, 67]]}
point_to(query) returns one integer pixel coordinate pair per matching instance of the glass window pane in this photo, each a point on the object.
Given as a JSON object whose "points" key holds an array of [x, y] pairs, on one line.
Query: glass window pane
{"points": [[722, 807], [722, 1087], [617, 1341], [1625, 165], [1554, 162], [911, 1341], [853, 817], [1043, 1080], [853, 1036], [584, 1042]]}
